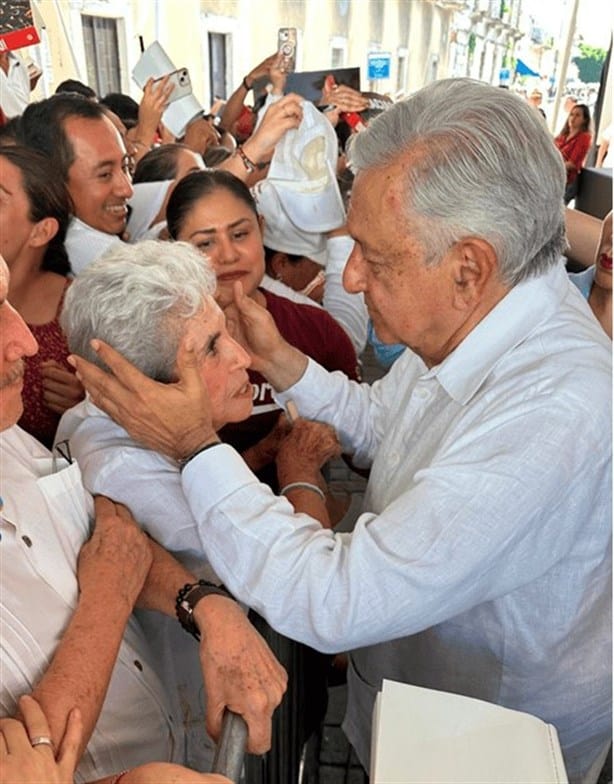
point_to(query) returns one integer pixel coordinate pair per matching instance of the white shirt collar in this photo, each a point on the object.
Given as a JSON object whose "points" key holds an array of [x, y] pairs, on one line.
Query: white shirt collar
{"points": [[527, 305]]}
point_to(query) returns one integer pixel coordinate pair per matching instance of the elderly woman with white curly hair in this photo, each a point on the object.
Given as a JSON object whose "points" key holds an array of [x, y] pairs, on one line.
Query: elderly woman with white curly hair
{"points": [[145, 299]]}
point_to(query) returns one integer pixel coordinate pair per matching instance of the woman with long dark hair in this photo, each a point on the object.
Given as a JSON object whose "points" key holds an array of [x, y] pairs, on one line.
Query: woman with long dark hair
{"points": [[35, 211], [574, 142]]}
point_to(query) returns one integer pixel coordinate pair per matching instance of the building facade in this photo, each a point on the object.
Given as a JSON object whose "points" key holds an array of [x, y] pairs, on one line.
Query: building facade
{"points": [[99, 41]]}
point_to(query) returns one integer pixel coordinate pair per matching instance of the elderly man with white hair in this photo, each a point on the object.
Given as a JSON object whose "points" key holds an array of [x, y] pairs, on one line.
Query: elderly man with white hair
{"points": [[482, 562]]}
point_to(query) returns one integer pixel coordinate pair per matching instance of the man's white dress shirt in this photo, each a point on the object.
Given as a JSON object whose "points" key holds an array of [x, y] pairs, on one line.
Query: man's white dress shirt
{"points": [[482, 562], [43, 524]]}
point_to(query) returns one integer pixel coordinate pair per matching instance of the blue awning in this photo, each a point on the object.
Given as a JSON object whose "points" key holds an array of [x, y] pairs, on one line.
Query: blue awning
{"points": [[522, 69]]}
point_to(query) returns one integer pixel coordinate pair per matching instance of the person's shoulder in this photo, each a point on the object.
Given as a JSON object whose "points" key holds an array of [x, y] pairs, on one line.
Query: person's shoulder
{"points": [[583, 280], [567, 363]]}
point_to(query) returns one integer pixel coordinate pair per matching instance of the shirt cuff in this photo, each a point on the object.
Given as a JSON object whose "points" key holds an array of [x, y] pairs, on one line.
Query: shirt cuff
{"points": [[215, 474]]}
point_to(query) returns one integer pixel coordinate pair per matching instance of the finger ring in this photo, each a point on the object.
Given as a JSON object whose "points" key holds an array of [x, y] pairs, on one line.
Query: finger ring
{"points": [[42, 740]]}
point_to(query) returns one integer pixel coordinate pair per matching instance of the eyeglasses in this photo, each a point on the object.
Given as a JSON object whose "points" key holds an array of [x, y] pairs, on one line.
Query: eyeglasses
{"points": [[63, 450]]}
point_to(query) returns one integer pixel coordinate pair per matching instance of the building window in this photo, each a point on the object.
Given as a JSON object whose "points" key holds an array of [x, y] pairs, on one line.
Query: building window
{"points": [[101, 45], [401, 71], [218, 47], [337, 57], [338, 51]]}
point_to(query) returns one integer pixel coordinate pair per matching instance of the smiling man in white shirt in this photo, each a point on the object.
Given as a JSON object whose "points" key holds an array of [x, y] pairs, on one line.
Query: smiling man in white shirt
{"points": [[482, 562], [90, 156]]}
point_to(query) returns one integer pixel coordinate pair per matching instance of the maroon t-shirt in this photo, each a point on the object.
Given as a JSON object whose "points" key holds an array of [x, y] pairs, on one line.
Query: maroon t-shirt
{"points": [[316, 333]]}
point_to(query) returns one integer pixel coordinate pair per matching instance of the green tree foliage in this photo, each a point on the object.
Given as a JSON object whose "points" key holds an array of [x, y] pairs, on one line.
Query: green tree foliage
{"points": [[589, 62]]}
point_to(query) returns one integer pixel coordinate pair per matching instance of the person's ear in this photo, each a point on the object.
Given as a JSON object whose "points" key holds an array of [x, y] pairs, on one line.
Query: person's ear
{"points": [[475, 270], [261, 222], [278, 263], [43, 232]]}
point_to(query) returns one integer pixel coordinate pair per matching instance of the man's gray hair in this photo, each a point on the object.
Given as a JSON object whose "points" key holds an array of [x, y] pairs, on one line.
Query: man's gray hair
{"points": [[486, 166], [137, 299]]}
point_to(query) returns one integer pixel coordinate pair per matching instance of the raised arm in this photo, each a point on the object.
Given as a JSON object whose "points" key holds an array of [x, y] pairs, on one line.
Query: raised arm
{"points": [[258, 149], [233, 106], [152, 106]]}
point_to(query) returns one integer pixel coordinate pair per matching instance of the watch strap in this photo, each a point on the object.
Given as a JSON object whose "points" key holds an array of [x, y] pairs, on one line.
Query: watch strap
{"points": [[187, 599]]}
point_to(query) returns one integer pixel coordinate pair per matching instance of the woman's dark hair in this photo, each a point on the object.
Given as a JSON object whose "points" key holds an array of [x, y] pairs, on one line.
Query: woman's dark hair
{"points": [[125, 107], [586, 116], [9, 132], [47, 198], [198, 184], [159, 164]]}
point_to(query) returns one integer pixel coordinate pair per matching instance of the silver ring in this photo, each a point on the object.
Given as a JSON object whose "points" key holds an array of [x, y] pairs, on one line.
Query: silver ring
{"points": [[42, 740]]}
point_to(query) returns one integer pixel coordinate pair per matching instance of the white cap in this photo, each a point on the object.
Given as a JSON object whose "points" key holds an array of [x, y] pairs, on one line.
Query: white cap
{"points": [[280, 233], [146, 202], [303, 171]]}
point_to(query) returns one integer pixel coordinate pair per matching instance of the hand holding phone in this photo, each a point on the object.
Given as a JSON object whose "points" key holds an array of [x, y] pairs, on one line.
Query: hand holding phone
{"points": [[286, 47], [181, 82]]}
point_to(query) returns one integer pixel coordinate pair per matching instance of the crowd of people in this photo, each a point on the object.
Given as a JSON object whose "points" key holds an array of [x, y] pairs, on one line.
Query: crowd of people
{"points": [[182, 325]]}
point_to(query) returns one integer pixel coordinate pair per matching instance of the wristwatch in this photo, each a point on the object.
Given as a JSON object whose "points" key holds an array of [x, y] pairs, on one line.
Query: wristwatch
{"points": [[187, 599]]}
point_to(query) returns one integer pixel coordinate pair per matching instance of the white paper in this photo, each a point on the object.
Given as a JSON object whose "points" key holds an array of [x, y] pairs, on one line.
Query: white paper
{"points": [[422, 736]]}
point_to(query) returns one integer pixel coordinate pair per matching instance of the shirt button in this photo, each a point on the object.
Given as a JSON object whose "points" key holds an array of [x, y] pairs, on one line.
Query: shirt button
{"points": [[138, 665], [27, 541]]}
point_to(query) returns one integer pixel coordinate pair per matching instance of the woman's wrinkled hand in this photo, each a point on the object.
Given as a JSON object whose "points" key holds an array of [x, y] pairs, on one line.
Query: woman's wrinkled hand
{"points": [[265, 451], [306, 448]]}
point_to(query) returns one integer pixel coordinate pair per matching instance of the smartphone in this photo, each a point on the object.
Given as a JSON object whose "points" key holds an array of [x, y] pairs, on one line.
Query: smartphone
{"points": [[182, 84], [286, 46], [354, 120]]}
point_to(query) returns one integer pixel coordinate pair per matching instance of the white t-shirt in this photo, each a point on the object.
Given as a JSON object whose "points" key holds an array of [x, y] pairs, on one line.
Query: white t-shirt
{"points": [[14, 87]]}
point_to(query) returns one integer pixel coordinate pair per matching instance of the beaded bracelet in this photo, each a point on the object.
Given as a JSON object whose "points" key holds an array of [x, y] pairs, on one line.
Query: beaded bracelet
{"points": [[305, 486], [249, 165]]}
